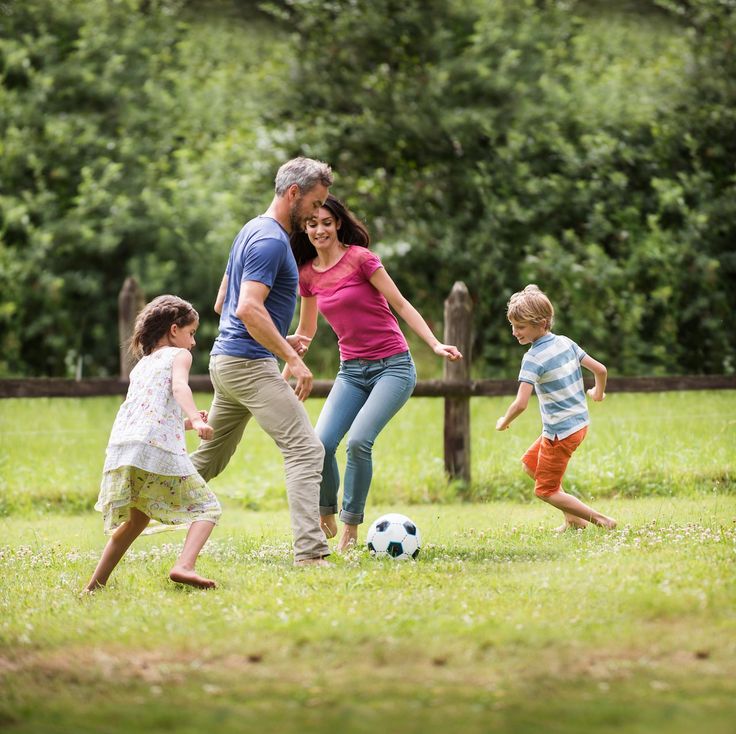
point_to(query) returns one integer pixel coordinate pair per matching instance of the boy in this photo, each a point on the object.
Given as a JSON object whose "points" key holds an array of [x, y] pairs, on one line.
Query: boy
{"points": [[552, 368]]}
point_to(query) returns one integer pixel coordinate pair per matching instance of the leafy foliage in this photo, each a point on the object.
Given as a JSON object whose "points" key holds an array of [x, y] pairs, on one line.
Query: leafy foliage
{"points": [[119, 140], [587, 147], [477, 142]]}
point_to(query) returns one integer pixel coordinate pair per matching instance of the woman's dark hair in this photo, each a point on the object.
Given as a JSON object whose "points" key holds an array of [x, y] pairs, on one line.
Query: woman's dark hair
{"points": [[350, 232], [155, 320]]}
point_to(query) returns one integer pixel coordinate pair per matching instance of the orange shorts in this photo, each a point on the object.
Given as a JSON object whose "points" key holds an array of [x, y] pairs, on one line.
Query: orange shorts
{"points": [[548, 460]]}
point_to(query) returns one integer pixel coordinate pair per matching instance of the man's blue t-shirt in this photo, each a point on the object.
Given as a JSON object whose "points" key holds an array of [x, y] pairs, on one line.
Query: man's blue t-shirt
{"points": [[261, 252]]}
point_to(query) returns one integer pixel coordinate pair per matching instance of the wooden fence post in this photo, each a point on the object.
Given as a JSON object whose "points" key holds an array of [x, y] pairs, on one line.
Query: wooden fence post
{"points": [[458, 327], [130, 301]]}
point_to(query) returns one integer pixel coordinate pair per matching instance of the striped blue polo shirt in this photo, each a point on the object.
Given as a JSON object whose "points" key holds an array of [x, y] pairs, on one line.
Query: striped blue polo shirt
{"points": [[552, 365]]}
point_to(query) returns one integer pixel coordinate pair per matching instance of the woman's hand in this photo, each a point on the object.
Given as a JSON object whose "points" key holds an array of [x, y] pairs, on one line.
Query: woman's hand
{"points": [[448, 351], [299, 343]]}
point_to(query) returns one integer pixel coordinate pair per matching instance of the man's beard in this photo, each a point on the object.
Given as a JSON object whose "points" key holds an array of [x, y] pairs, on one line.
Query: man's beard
{"points": [[295, 217]]}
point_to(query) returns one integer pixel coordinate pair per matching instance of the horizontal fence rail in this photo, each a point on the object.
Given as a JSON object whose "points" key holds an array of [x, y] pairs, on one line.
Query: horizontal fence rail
{"points": [[456, 387], [64, 388]]}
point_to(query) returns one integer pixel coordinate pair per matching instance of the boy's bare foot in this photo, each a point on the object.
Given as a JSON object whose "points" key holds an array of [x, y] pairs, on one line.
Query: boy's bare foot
{"points": [[607, 522], [91, 587], [312, 562], [328, 525], [188, 576]]}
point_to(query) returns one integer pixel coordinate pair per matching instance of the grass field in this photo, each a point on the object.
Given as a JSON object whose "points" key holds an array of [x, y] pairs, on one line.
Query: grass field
{"points": [[52, 451], [500, 626]]}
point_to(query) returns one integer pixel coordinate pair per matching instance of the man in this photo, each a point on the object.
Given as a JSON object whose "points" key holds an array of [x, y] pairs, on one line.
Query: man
{"points": [[256, 301]]}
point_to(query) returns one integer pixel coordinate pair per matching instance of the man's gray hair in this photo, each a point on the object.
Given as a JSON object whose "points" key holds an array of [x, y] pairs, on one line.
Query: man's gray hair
{"points": [[305, 173]]}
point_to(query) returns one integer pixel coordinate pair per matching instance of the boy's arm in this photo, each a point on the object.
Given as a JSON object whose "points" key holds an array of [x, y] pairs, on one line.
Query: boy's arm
{"points": [[183, 393], [601, 375], [221, 293], [517, 407]]}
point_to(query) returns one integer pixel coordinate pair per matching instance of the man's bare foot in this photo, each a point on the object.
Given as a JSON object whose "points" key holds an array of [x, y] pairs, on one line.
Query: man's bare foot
{"points": [[188, 576], [328, 525], [312, 562]]}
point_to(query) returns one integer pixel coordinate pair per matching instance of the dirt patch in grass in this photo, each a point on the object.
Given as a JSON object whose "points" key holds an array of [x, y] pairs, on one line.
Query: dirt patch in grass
{"points": [[478, 668]]}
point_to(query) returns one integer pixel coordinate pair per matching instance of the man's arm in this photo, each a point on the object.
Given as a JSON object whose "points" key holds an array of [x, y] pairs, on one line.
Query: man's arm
{"points": [[252, 312], [221, 293]]}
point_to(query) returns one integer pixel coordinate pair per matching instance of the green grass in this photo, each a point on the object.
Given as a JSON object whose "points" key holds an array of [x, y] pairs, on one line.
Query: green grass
{"points": [[500, 626], [659, 444]]}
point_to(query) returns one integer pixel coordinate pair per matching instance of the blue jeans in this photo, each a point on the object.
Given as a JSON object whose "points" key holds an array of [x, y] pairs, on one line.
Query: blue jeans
{"points": [[366, 394]]}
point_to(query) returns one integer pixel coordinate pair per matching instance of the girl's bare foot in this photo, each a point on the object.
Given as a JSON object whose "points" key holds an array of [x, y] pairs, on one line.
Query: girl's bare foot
{"points": [[188, 576], [348, 539], [328, 525]]}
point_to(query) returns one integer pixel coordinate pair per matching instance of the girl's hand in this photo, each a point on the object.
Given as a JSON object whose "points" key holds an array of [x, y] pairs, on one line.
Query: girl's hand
{"points": [[202, 414], [447, 350], [203, 430], [501, 424], [595, 395]]}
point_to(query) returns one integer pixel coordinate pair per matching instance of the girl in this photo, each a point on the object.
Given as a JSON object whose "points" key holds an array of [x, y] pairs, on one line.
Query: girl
{"points": [[147, 472], [343, 280]]}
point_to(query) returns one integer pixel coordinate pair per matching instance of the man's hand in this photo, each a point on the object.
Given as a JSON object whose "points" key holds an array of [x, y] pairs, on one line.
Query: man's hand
{"points": [[304, 378]]}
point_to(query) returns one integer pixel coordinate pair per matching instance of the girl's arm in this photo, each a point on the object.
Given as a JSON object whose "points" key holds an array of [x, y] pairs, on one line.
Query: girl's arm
{"points": [[221, 293], [383, 283], [517, 407], [601, 376], [183, 393], [305, 331]]}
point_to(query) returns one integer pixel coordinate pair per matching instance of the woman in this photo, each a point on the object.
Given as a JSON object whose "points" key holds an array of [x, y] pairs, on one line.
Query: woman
{"points": [[343, 280]]}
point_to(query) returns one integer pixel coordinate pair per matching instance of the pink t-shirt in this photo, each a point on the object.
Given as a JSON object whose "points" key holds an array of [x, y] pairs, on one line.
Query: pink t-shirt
{"points": [[366, 327]]}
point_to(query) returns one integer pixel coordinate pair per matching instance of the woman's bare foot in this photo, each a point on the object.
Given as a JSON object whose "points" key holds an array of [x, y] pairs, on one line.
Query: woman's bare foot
{"points": [[183, 575], [328, 525], [348, 539]]}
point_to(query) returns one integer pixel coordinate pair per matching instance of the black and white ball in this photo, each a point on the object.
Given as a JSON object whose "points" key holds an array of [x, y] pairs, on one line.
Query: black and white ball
{"points": [[394, 536]]}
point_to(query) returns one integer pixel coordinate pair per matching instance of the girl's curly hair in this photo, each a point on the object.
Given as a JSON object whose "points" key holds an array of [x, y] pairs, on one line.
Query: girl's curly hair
{"points": [[155, 320]]}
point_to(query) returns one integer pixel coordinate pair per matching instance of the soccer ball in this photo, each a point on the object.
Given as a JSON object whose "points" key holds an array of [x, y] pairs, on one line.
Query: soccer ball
{"points": [[394, 536]]}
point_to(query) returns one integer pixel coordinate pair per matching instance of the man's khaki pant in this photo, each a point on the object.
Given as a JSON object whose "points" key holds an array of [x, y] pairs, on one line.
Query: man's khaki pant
{"points": [[255, 387]]}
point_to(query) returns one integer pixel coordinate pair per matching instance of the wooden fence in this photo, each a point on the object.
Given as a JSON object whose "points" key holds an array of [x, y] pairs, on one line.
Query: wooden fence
{"points": [[456, 387]]}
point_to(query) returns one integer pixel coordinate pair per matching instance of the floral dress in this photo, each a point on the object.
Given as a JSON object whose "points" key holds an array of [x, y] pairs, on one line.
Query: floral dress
{"points": [[146, 464]]}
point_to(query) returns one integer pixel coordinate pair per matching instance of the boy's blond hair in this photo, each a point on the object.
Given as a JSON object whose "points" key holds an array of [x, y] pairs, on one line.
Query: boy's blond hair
{"points": [[530, 306]]}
